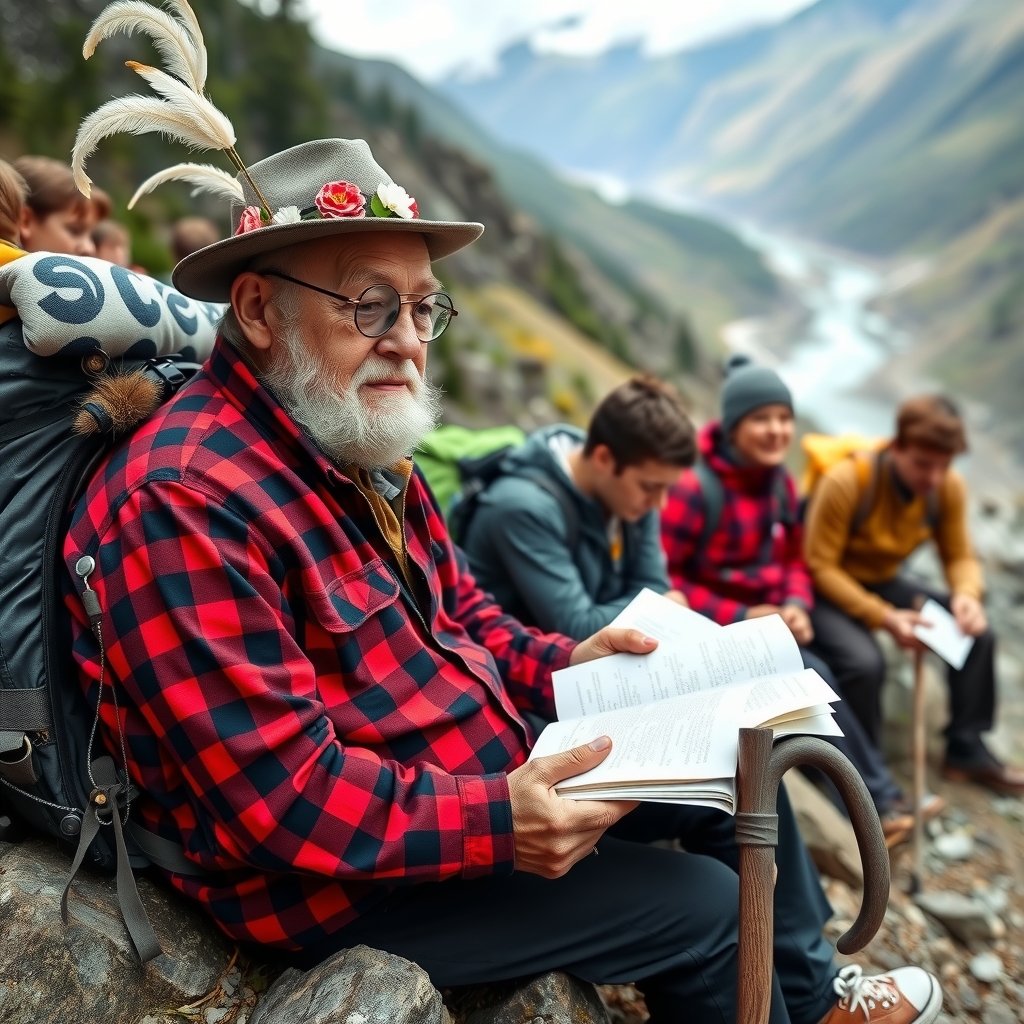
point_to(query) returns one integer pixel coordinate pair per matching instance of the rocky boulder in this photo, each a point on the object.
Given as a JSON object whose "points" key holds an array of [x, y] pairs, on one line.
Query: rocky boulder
{"points": [[88, 971], [355, 986], [552, 998]]}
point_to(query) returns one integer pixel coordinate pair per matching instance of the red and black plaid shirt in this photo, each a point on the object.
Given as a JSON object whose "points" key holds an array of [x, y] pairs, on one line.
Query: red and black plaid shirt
{"points": [[308, 728], [725, 578]]}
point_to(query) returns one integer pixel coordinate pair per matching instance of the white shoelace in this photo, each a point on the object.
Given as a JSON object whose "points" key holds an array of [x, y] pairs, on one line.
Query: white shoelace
{"points": [[851, 984]]}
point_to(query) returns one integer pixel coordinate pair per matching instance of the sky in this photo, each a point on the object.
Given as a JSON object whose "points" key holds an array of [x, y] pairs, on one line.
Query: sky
{"points": [[433, 38]]}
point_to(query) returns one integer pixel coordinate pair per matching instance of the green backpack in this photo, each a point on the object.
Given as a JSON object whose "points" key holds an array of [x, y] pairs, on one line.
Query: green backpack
{"points": [[459, 464], [443, 450]]}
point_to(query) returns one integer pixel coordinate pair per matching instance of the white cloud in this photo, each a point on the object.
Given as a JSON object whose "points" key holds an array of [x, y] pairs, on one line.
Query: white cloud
{"points": [[434, 37]]}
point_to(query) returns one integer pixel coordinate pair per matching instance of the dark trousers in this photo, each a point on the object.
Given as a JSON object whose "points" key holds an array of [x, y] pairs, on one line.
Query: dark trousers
{"points": [[664, 919], [859, 666], [856, 745]]}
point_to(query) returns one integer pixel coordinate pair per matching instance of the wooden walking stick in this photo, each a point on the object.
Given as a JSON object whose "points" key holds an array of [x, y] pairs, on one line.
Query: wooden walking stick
{"points": [[760, 771], [919, 744]]}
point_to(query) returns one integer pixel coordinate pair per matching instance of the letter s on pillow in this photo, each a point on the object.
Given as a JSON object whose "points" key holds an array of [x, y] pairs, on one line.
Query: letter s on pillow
{"points": [[71, 305]]}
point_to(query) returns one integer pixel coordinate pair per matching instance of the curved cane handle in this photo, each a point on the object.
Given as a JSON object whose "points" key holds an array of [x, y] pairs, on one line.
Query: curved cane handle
{"points": [[874, 855], [760, 770]]}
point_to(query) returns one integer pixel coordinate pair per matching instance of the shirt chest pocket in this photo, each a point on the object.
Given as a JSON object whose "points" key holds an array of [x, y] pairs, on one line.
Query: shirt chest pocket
{"points": [[343, 604]]}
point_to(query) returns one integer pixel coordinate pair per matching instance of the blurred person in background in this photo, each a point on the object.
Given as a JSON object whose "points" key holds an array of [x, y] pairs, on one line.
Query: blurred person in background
{"points": [[190, 234], [56, 216], [612, 480], [13, 191], [855, 556], [733, 537], [113, 243]]}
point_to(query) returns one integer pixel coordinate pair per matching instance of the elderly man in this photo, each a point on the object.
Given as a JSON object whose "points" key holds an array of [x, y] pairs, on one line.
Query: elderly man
{"points": [[319, 704]]}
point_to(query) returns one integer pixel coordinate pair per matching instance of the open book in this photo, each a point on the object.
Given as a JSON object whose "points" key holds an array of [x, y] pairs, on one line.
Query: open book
{"points": [[674, 715]]}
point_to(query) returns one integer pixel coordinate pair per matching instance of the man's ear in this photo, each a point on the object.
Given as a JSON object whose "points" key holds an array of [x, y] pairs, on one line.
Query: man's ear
{"points": [[250, 297], [603, 460]]}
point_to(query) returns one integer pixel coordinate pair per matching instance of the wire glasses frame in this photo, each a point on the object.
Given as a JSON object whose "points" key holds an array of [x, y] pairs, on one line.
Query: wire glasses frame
{"points": [[378, 307]]}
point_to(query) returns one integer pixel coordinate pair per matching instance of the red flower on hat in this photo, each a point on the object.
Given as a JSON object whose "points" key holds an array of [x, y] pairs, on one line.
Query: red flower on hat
{"points": [[340, 199], [250, 220], [415, 209]]}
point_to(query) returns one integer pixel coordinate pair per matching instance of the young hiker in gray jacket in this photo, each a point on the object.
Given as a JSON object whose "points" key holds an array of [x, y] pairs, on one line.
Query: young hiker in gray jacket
{"points": [[568, 534]]}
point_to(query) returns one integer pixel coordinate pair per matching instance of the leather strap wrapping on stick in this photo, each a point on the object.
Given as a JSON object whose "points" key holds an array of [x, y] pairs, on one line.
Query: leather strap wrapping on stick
{"points": [[103, 799], [757, 829]]}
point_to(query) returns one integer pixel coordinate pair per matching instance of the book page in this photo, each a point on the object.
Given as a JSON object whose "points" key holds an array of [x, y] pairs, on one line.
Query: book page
{"points": [[701, 660], [814, 725], [777, 697], [684, 738], [663, 619], [943, 635], [691, 737]]}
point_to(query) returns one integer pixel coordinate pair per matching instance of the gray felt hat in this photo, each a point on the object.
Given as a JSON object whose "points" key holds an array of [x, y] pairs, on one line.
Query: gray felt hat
{"points": [[293, 179]]}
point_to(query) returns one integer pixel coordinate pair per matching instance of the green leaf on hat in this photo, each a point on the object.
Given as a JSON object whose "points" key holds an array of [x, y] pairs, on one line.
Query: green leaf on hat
{"points": [[378, 208]]}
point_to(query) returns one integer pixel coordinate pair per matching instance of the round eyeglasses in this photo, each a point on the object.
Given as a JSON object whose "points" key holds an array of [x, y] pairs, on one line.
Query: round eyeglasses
{"points": [[377, 309]]}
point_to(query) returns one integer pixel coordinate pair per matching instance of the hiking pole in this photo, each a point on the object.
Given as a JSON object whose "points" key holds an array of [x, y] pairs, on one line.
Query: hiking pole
{"points": [[919, 747], [760, 770]]}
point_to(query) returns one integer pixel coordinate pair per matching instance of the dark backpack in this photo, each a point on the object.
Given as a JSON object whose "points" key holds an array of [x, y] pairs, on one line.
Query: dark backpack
{"points": [[477, 474], [55, 776]]}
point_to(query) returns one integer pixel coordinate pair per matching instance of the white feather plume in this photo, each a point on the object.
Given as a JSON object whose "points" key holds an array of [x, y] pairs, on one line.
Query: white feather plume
{"points": [[205, 178], [179, 42], [183, 112], [191, 22], [138, 115], [190, 104]]}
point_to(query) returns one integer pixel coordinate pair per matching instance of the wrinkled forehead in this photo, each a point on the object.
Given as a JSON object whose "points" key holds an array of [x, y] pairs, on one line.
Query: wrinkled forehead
{"points": [[358, 260]]}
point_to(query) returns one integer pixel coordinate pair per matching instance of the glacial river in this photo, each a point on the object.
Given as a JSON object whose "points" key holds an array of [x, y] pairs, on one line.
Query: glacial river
{"points": [[841, 344]]}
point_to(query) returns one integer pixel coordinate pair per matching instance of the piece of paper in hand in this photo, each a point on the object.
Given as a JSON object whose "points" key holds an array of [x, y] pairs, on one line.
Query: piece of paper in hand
{"points": [[943, 635]]}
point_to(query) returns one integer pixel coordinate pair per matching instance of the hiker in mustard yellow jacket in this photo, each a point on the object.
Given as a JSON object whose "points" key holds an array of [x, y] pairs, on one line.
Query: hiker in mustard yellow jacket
{"points": [[869, 513]]}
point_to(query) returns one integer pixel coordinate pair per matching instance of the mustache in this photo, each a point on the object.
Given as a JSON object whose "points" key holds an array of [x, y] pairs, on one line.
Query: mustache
{"points": [[375, 368]]}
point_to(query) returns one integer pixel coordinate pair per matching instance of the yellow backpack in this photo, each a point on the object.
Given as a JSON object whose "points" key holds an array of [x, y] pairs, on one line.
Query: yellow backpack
{"points": [[823, 451]]}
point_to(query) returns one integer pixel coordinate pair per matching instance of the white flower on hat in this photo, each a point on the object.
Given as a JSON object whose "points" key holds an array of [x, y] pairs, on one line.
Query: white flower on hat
{"points": [[395, 200], [286, 215]]}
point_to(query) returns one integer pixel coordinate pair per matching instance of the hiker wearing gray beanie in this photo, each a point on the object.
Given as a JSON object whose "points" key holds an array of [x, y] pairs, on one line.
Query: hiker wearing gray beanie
{"points": [[733, 540], [748, 387]]}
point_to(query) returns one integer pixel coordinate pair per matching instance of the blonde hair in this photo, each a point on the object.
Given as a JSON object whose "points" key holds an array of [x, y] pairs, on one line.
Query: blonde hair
{"points": [[13, 191]]}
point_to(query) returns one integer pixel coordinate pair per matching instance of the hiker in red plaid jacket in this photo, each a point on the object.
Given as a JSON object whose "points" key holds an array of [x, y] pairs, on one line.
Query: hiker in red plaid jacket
{"points": [[318, 703], [733, 536], [754, 555]]}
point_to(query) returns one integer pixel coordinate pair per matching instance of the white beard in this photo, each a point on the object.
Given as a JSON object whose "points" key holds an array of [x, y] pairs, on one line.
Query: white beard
{"points": [[345, 427]]}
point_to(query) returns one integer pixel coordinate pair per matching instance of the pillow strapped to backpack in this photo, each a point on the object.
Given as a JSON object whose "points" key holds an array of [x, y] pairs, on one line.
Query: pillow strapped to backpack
{"points": [[95, 351]]}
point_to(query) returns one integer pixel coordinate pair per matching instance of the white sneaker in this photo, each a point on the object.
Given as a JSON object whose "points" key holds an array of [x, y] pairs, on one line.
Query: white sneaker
{"points": [[907, 995]]}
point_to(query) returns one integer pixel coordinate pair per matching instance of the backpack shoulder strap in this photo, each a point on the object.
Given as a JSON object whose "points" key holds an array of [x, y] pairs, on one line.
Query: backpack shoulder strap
{"points": [[869, 470], [787, 503], [933, 510], [713, 493], [566, 502]]}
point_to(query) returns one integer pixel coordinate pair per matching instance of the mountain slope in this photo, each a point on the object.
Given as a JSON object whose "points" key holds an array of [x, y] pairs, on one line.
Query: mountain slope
{"points": [[882, 126], [693, 266], [598, 279]]}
